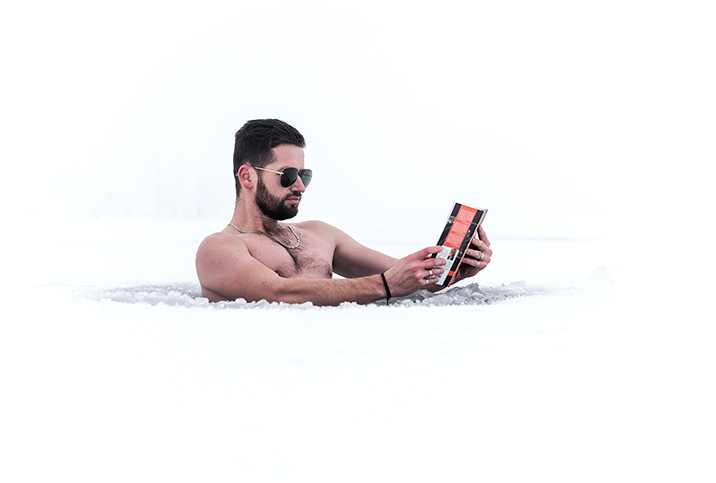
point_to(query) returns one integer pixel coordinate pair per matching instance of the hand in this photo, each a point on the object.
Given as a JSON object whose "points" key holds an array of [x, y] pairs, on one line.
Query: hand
{"points": [[415, 272], [477, 257]]}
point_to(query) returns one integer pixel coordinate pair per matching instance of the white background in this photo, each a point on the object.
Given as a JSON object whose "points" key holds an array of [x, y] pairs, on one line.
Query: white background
{"points": [[581, 123], [564, 119]]}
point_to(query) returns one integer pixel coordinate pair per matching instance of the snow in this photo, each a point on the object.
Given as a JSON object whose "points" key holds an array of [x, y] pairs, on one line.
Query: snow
{"points": [[569, 362], [585, 352]]}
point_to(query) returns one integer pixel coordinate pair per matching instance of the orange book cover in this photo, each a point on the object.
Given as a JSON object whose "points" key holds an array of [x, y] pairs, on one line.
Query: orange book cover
{"points": [[459, 229]]}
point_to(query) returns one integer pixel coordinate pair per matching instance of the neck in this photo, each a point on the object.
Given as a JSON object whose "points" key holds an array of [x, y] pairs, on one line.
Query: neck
{"points": [[249, 217]]}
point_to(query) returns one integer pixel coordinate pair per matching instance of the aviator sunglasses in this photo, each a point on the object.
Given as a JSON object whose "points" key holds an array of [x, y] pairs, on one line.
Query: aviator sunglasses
{"points": [[290, 175]]}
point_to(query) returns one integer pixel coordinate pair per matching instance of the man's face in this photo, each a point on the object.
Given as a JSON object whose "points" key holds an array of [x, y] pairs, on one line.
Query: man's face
{"points": [[272, 199]]}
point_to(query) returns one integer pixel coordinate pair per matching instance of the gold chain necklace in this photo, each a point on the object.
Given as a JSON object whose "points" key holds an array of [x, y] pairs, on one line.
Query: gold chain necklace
{"points": [[298, 240]]}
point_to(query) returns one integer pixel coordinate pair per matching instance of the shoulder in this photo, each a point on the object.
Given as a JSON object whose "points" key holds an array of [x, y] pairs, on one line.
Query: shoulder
{"points": [[223, 262], [320, 228], [313, 225], [342, 241], [220, 238], [219, 245]]}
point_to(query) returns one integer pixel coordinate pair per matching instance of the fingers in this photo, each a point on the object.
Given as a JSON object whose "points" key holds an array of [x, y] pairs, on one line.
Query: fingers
{"points": [[480, 245], [479, 255], [421, 269], [431, 268], [478, 258], [415, 271], [433, 265], [424, 256], [432, 275], [482, 235], [428, 251]]}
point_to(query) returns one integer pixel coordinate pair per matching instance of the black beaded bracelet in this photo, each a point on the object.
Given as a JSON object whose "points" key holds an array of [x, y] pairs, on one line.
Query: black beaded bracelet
{"points": [[387, 290]]}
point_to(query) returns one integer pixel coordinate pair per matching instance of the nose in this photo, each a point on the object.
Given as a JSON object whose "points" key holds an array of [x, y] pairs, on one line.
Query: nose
{"points": [[298, 185]]}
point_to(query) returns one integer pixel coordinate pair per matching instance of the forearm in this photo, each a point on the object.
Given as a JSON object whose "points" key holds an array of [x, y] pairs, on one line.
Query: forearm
{"points": [[362, 263], [254, 282], [322, 292]]}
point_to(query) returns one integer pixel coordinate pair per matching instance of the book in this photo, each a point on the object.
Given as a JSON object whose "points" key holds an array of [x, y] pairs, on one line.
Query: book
{"points": [[455, 239]]}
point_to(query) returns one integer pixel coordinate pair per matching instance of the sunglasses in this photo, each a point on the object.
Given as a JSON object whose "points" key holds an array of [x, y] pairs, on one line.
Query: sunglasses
{"points": [[290, 175]]}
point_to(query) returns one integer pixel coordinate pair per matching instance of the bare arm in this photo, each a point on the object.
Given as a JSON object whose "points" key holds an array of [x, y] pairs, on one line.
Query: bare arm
{"points": [[230, 272], [352, 259]]}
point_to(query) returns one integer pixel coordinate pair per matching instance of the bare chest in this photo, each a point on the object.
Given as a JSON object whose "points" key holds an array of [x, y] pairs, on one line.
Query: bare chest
{"points": [[313, 257]]}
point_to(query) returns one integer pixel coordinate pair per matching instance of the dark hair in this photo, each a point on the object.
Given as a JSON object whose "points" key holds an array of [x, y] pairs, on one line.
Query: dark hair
{"points": [[256, 139]]}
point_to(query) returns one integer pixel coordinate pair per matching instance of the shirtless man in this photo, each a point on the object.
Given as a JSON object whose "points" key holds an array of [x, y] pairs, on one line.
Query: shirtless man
{"points": [[255, 257]]}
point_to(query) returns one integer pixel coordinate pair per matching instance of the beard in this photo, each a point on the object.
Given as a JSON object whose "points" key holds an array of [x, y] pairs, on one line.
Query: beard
{"points": [[272, 206]]}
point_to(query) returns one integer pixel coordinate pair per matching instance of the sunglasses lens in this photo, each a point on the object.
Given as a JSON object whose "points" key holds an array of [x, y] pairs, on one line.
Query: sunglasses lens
{"points": [[290, 175], [306, 176]]}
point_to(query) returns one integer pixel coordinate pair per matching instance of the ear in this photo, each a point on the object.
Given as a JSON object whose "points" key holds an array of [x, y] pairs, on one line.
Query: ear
{"points": [[246, 177]]}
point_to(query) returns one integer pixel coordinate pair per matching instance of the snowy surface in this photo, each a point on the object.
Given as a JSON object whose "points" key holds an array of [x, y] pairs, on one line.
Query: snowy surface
{"points": [[575, 360], [583, 358]]}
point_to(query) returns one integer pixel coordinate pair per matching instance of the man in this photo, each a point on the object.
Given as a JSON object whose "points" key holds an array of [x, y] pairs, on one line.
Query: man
{"points": [[256, 257]]}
